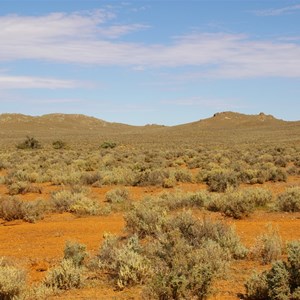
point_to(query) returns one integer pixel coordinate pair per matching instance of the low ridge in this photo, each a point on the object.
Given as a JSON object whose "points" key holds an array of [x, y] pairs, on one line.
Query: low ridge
{"points": [[221, 126]]}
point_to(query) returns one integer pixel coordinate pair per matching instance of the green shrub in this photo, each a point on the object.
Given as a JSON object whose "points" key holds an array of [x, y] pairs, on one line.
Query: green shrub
{"points": [[124, 261], [64, 277], [289, 200], [169, 182], [179, 199], [61, 201], [257, 287], [84, 206], [280, 282], [145, 219], [21, 187], [11, 208], [238, 206], [182, 175], [151, 177], [181, 271], [58, 144], [108, 145], [34, 210], [29, 143], [293, 251], [117, 195], [221, 180], [12, 281], [268, 246], [91, 178], [76, 252], [258, 196]]}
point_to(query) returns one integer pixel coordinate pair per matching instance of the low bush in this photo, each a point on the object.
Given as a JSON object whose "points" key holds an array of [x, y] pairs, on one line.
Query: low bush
{"points": [[12, 281], [196, 232], [22, 187], [76, 252], [237, 205], [289, 200], [58, 144], [221, 180], [117, 195], [65, 276], [124, 261], [179, 199], [74, 201], [91, 178], [85, 206], [145, 219], [108, 145], [12, 208], [268, 246], [181, 271], [29, 143], [280, 282]]}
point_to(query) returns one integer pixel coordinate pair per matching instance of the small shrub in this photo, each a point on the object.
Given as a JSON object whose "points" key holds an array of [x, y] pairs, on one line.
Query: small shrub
{"points": [[221, 180], [29, 143], [12, 281], [76, 252], [257, 287], [12, 208], [85, 206], [23, 188], [108, 145], [58, 144], [183, 176], [145, 219], [124, 261], [169, 182], [293, 251], [34, 210], [237, 206], [181, 271], [258, 196], [93, 178], [61, 201], [281, 281], [117, 195], [268, 246], [278, 281], [289, 200], [64, 277]]}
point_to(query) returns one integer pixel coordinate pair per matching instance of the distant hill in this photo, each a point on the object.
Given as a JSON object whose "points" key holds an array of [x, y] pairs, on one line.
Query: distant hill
{"points": [[221, 127]]}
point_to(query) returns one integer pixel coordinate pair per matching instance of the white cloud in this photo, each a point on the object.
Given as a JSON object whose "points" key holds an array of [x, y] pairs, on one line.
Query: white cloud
{"points": [[23, 82], [278, 11], [86, 38]]}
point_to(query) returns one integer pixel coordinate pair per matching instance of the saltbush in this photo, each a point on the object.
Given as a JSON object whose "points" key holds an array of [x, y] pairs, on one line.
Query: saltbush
{"points": [[289, 200], [12, 281]]}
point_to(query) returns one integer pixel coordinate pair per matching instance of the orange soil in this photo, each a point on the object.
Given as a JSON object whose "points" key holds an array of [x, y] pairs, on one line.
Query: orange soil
{"points": [[39, 246]]}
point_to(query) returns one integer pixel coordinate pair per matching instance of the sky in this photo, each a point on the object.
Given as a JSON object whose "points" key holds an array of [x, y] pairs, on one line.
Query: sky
{"points": [[150, 62]]}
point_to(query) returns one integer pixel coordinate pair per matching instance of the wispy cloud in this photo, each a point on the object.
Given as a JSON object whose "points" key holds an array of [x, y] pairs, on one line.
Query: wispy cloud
{"points": [[23, 82], [278, 11], [90, 38], [218, 104]]}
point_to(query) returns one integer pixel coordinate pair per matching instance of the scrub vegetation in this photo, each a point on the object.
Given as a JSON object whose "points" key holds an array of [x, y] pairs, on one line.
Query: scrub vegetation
{"points": [[181, 206]]}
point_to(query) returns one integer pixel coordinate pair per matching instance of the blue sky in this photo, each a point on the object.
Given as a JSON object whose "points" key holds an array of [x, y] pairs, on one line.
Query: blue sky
{"points": [[140, 62]]}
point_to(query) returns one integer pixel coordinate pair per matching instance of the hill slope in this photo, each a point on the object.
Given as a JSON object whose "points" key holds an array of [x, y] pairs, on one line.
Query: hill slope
{"points": [[222, 127]]}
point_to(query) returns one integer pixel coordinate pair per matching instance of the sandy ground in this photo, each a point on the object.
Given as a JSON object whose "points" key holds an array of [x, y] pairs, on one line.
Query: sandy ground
{"points": [[39, 246]]}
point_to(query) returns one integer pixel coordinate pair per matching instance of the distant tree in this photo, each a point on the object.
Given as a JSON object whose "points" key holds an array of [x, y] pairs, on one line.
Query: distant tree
{"points": [[59, 144], [29, 143], [108, 145]]}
